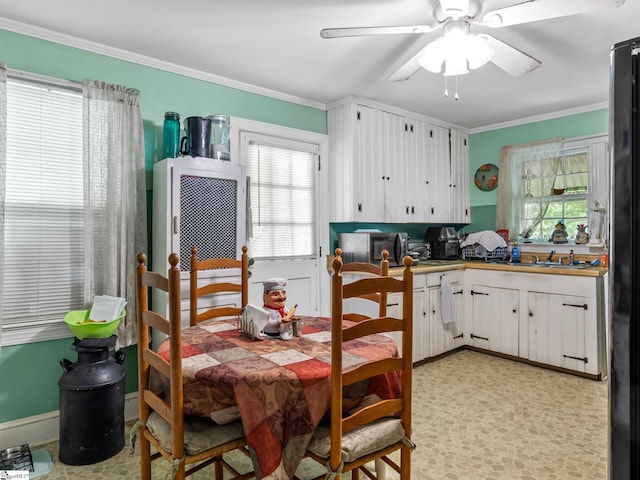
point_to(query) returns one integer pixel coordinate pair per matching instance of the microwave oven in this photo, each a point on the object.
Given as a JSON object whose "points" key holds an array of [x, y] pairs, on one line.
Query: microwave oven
{"points": [[368, 246]]}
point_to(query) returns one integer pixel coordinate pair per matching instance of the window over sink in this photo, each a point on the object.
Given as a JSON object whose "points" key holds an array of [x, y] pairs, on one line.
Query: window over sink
{"points": [[545, 182]]}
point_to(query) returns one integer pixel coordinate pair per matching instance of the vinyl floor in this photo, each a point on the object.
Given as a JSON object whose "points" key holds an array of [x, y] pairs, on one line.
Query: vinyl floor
{"points": [[475, 417]]}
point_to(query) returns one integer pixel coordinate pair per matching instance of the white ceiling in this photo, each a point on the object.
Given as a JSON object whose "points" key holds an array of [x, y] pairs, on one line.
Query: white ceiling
{"points": [[276, 45]]}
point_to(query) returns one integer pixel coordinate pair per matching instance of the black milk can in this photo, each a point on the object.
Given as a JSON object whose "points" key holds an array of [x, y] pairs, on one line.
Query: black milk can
{"points": [[92, 403]]}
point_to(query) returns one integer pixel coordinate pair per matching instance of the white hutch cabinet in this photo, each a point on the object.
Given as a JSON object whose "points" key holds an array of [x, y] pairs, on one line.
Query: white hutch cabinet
{"points": [[198, 202]]}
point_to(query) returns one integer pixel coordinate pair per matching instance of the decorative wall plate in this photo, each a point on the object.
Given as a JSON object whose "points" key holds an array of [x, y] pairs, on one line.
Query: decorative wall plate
{"points": [[486, 178]]}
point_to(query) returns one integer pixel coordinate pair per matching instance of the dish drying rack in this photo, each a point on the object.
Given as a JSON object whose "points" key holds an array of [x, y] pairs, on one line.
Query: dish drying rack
{"points": [[478, 252], [16, 458]]}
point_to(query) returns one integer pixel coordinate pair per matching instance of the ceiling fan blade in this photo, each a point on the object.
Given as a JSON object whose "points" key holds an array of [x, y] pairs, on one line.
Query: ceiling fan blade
{"points": [[363, 31], [408, 69], [534, 10], [510, 59]]}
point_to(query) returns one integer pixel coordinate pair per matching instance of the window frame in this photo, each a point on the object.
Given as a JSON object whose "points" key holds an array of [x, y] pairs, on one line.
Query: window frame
{"points": [[37, 330], [599, 185], [542, 224], [294, 146]]}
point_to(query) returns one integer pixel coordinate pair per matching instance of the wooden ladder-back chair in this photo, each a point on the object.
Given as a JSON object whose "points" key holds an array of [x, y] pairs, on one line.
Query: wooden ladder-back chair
{"points": [[182, 440], [379, 426], [366, 268], [217, 286]]}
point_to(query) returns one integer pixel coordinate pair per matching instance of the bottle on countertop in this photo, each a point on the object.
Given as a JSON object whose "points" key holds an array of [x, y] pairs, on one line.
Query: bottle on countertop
{"points": [[604, 256], [515, 252]]}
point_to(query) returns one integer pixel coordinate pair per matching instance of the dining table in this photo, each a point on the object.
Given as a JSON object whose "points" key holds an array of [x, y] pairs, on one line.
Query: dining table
{"points": [[280, 389]]}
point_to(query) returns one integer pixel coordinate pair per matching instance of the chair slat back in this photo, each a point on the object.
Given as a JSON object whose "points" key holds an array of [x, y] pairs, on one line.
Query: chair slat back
{"points": [[342, 422], [197, 292], [365, 268], [170, 409]]}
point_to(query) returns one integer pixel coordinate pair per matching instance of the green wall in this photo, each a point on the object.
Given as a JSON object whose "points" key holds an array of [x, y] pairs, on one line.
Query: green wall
{"points": [[485, 148], [29, 373]]}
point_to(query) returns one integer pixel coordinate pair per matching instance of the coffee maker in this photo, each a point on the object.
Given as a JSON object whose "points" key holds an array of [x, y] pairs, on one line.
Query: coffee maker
{"points": [[198, 137], [444, 242]]}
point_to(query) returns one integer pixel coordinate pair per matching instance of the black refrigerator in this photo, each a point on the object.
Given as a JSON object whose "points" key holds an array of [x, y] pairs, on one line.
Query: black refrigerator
{"points": [[624, 266]]}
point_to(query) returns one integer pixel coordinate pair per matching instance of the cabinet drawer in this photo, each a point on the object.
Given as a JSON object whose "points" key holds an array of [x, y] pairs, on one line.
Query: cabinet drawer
{"points": [[454, 276]]}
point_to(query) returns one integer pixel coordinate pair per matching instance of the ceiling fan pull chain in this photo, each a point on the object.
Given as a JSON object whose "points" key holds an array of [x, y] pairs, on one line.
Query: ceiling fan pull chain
{"points": [[456, 95], [446, 90]]}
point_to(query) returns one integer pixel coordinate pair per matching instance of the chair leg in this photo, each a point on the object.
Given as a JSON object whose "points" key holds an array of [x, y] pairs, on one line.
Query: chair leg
{"points": [[405, 463], [145, 458], [381, 469], [219, 470]]}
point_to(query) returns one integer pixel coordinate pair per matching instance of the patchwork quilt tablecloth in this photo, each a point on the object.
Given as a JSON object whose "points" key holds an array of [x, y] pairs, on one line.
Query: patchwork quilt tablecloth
{"points": [[279, 388]]}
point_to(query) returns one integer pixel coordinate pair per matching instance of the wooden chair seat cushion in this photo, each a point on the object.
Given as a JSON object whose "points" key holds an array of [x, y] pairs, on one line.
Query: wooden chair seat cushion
{"points": [[360, 441], [200, 434]]}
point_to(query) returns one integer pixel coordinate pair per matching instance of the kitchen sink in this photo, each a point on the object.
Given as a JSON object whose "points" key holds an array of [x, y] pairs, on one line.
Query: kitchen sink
{"points": [[552, 265]]}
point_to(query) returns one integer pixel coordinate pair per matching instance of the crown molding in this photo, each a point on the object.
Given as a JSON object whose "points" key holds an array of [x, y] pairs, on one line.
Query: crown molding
{"points": [[101, 49], [540, 118]]}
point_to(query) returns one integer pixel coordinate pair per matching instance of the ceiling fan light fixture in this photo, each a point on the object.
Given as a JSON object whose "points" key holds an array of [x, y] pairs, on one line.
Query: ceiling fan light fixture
{"points": [[478, 51], [455, 64], [434, 55]]}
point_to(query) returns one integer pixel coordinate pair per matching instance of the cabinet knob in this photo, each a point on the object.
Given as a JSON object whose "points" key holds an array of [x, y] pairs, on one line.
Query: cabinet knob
{"points": [[515, 310], [531, 313]]}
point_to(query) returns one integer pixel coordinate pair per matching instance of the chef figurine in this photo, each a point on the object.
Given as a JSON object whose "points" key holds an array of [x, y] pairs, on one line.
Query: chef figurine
{"points": [[274, 298]]}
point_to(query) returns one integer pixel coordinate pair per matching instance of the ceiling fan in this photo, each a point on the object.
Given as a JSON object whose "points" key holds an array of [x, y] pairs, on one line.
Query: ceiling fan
{"points": [[459, 50]]}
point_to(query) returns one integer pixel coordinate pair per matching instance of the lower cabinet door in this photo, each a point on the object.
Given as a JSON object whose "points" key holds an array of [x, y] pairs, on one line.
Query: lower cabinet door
{"points": [[557, 330], [495, 319], [444, 337]]}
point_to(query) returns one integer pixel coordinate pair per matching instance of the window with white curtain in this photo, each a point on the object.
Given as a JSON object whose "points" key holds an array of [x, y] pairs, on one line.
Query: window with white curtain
{"points": [[44, 226], [282, 198], [554, 180], [555, 189]]}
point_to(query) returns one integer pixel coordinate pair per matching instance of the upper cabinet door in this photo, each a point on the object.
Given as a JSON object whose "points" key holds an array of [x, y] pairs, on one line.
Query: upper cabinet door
{"points": [[438, 173], [356, 153], [460, 200]]}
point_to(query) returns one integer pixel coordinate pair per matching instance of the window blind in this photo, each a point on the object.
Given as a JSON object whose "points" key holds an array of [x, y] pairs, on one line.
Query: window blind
{"points": [[44, 230], [283, 200]]}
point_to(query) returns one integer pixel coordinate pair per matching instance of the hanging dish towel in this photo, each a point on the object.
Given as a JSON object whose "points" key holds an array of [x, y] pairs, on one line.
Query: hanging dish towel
{"points": [[446, 300]]}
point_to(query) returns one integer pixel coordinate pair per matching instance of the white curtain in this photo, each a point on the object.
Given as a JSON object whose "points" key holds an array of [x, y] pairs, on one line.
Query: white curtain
{"points": [[512, 157], [3, 169], [115, 196]]}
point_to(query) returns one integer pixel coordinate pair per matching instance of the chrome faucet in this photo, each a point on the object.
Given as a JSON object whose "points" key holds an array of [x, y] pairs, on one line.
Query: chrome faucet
{"points": [[553, 252]]}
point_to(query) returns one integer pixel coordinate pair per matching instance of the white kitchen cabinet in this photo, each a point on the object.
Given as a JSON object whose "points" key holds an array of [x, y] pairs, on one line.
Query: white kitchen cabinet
{"points": [[393, 168], [558, 329], [198, 202], [420, 343], [459, 190], [445, 337], [408, 153], [557, 320], [356, 162], [494, 315], [448, 197]]}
